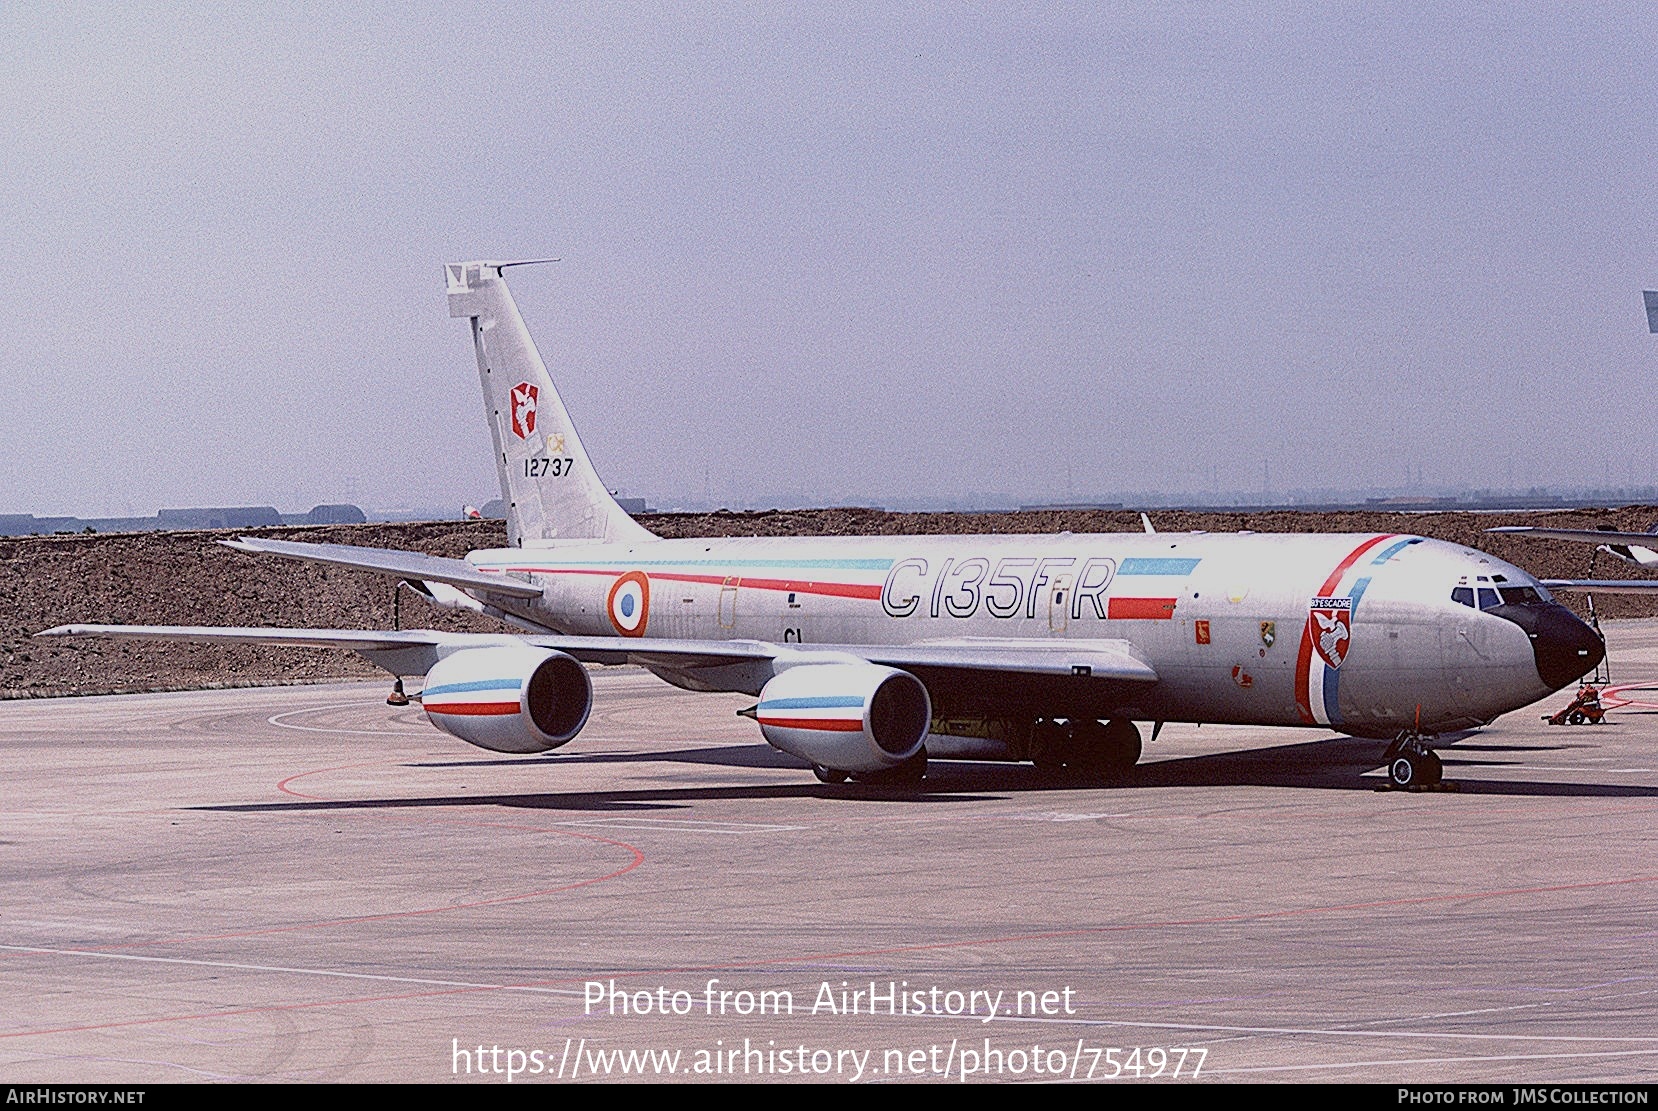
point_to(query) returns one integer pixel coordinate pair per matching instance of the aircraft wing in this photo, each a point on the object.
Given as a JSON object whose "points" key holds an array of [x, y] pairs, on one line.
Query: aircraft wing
{"points": [[365, 640], [409, 650], [1580, 535], [401, 652], [1590, 536], [431, 645], [394, 563], [1605, 586]]}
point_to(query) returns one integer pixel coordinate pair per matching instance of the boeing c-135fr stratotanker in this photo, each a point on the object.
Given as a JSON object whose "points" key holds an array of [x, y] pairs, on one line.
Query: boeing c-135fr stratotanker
{"points": [[867, 653]]}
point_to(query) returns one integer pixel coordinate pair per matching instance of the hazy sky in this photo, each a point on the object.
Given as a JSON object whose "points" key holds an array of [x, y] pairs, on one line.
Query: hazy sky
{"points": [[865, 253]]}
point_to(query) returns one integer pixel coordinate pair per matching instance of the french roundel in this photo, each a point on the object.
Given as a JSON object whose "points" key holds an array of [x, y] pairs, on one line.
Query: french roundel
{"points": [[629, 604]]}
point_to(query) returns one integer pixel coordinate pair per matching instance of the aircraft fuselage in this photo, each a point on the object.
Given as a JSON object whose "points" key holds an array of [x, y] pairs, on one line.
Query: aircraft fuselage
{"points": [[1356, 632]]}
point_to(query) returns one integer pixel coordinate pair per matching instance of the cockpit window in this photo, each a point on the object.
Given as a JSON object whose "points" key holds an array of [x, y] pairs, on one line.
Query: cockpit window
{"points": [[1490, 596]]}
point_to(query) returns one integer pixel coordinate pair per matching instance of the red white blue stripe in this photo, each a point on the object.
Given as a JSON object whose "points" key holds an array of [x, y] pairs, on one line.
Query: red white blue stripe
{"points": [[1318, 685], [474, 698], [835, 713]]}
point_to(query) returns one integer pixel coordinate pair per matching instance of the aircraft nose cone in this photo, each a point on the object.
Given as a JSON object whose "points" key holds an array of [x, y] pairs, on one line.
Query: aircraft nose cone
{"points": [[1566, 648]]}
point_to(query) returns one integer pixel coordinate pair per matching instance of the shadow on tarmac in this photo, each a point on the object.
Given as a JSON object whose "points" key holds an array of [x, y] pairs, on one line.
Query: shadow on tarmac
{"points": [[1332, 763]]}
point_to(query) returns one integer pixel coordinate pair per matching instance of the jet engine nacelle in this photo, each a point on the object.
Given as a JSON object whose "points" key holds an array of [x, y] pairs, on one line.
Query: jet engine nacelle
{"points": [[848, 716], [508, 698]]}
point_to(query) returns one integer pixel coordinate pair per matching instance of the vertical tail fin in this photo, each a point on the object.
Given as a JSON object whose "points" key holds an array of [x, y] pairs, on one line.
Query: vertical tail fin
{"points": [[548, 483]]}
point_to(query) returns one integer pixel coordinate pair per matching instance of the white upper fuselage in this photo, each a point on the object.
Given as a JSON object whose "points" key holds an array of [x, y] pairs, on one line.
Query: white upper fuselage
{"points": [[1355, 631]]}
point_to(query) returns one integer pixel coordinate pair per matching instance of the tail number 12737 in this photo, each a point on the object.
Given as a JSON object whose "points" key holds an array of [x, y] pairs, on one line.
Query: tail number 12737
{"points": [[557, 466]]}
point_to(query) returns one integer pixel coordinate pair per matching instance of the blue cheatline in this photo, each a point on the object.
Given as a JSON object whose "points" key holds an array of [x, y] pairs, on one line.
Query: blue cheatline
{"points": [[1144, 565], [814, 702], [474, 685]]}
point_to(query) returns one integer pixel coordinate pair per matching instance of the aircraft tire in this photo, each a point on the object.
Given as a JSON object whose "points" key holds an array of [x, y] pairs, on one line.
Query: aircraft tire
{"points": [[1433, 769], [829, 775], [1403, 772], [1104, 752], [1124, 745], [913, 770], [1050, 744]]}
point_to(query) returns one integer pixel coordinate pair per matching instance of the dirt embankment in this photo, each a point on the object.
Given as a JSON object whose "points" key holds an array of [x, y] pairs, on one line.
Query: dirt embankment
{"points": [[188, 578]]}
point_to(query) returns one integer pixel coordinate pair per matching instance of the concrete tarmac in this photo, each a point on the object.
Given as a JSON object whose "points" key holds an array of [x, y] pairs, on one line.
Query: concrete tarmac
{"points": [[304, 884]]}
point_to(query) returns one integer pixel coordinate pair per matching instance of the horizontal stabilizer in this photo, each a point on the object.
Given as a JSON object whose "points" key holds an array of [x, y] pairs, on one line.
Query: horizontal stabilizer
{"points": [[393, 563]]}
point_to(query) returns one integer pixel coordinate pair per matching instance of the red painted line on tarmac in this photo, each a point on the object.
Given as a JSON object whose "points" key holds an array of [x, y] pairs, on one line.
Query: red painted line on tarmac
{"points": [[1047, 935], [286, 790], [283, 786], [1089, 931], [638, 859], [1613, 698], [275, 1007], [1263, 916]]}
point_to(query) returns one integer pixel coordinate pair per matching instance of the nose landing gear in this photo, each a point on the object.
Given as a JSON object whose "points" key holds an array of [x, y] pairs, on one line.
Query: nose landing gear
{"points": [[1411, 764]]}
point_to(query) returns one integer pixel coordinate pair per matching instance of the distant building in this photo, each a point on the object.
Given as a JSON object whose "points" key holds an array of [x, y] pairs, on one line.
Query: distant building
{"points": [[1069, 506], [243, 516], [335, 515]]}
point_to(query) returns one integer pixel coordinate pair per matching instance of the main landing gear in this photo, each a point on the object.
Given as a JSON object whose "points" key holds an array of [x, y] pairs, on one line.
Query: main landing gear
{"points": [[1411, 764], [1099, 751]]}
